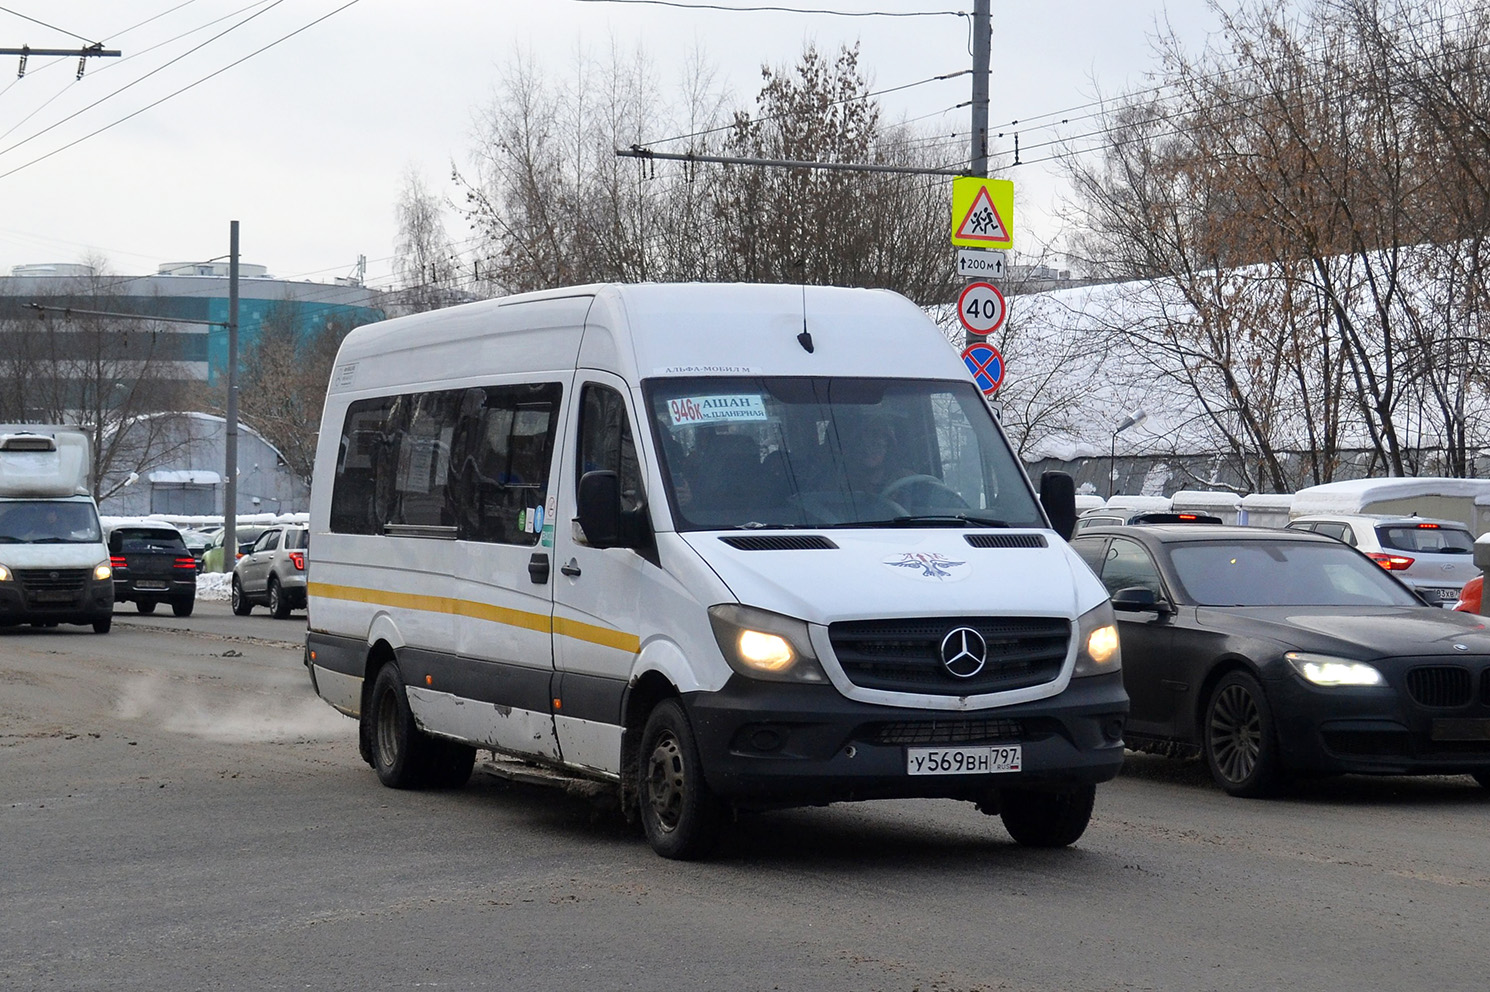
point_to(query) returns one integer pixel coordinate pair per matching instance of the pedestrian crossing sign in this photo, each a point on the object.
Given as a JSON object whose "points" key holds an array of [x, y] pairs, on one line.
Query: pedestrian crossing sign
{"points": [[982, 212]]}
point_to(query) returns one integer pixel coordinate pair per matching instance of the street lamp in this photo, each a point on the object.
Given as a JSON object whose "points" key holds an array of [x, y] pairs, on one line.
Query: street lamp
{"points": [[1133, 420]]}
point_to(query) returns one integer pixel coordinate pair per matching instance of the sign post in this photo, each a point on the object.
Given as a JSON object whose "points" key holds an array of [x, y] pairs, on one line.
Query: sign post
{"points": [[982, 219]]}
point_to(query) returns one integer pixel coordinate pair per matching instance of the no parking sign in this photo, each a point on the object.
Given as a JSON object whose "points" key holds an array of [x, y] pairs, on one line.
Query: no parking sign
{"points": [[986, 365]]}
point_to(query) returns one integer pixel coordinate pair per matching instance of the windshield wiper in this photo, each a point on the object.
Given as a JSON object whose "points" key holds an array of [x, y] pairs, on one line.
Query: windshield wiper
{"points": [[949, 520]]}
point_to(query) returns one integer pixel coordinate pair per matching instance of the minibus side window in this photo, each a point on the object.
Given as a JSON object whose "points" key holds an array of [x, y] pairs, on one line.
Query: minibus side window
{"points": [[473, 459], [423, 471], [502, 448], [365, 455], [606, 443]]}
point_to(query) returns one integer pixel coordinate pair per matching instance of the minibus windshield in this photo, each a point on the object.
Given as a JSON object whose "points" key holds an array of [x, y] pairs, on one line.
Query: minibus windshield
{"points": [[815, 452]]}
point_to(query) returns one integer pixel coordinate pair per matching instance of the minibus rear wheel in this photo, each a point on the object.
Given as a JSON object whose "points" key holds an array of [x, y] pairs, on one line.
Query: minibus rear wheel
{"points": [[402, 754], [681, 815]]}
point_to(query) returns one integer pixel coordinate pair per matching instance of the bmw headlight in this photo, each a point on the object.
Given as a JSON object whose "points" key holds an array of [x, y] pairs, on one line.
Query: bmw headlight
{"points": [[1097, 651], [764, 645], [1322, 669]]}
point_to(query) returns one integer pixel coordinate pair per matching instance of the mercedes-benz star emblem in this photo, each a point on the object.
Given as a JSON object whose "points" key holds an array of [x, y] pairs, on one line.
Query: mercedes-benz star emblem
{"points": [[964, 652]]}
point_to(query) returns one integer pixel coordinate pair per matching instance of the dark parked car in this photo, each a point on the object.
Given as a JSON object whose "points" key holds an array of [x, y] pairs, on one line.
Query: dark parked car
{"points": [[1275, 652], [152, 565]]}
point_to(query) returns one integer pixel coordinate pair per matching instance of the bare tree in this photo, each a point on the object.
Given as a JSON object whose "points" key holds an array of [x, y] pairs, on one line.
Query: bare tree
{"points": [[829, 226], [553, 205], [1308, 230], [425, 262], [282, 382]]}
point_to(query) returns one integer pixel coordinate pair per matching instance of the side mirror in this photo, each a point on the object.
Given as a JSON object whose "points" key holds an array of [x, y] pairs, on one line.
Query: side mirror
{"points": [[1136, 599], [600, 508], [1058, 497]]}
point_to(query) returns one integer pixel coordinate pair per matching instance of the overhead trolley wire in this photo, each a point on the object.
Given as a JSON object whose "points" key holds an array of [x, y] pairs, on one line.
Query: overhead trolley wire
{"points": [[788, 10], [53, 27], [835, 103], [175, 93], [134, 55]]}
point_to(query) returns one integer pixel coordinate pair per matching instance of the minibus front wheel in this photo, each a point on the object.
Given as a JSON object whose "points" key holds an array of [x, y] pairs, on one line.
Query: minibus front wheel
{"points": [[681, 815]]}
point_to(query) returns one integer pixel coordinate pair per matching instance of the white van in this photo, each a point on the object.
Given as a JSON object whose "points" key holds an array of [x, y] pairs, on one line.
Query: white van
{"points": [[54, 566], [719, 545]]}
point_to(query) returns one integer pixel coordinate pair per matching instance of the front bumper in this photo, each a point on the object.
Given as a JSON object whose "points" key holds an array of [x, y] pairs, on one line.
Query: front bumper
{"points": [[1381, 730], [773, 743], [90, 602]]}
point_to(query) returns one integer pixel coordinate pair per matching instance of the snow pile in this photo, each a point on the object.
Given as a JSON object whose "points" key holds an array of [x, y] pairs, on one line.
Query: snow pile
{"points": [[214, 585]]}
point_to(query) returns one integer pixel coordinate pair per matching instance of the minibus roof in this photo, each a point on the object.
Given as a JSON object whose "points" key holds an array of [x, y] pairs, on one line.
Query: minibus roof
{"points": [[655, 329]]}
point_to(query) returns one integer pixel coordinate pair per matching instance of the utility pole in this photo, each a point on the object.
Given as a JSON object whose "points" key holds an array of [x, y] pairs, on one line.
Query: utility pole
{"points": [[982, 31], [978, 151], [230, 483]]}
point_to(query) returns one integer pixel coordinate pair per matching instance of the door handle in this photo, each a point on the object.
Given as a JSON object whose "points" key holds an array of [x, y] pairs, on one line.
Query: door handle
{"points": [[538, 567], [570, 568]]}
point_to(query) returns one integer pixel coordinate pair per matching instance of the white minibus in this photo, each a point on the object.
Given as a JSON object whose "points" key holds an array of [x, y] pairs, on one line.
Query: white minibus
{"points": [[718, 546]]}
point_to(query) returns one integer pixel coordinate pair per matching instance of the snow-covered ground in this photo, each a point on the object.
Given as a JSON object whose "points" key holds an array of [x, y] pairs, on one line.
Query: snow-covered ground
{"points": [[214, 585]]}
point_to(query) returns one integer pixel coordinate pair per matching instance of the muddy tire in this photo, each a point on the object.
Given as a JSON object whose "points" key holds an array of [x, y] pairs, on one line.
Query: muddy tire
{"points": [[1241, 744], [680, 814], [402, 754], [1036, 818]]}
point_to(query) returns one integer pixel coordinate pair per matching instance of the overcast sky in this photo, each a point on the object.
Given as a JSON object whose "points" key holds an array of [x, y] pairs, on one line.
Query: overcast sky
{"points": [[305, 143]]}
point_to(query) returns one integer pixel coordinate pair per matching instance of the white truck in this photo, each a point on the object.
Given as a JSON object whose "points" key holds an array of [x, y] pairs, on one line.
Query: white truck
{"points": [[54, 565]]}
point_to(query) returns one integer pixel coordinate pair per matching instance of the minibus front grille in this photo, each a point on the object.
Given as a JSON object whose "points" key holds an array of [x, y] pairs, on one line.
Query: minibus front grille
{"points": [[972, 730], [57, 587], [1006, 540], [781, 542], [908, 655]]}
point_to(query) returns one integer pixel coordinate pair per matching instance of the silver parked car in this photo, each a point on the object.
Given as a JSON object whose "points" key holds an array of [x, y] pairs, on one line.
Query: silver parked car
{"points": [[272, 572], [1434, 557]]}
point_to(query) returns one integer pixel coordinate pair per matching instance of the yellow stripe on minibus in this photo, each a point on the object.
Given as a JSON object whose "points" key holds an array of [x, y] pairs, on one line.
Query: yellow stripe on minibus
{"points": [[604, 636]]}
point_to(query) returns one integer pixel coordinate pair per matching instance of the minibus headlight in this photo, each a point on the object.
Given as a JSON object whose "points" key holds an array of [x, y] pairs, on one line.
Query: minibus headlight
{"points": [[762, 645], [1324, 670], [103, 570], [4, 574], [1097, 648]]}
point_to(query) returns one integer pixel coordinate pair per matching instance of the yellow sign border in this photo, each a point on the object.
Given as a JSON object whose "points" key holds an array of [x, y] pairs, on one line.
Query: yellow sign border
{"points": [[965, 190]]}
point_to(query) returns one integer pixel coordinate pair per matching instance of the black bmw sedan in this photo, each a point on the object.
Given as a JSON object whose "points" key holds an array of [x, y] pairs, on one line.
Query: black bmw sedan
{"points": [[1277, 653]]}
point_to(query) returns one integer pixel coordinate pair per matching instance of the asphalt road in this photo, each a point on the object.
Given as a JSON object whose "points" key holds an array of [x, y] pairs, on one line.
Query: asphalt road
{"points": [[179, 812]]}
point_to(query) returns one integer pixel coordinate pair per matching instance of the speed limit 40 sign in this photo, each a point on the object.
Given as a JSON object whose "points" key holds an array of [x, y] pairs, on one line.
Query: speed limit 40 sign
{"points": [[981, 308]]}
